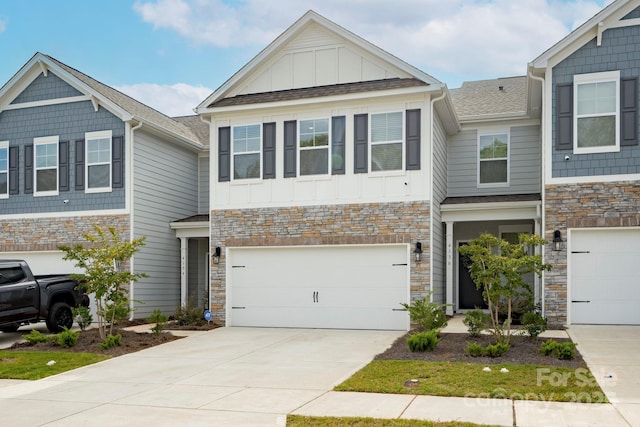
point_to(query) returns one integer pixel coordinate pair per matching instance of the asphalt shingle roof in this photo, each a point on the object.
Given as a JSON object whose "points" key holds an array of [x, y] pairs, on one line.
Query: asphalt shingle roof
{"points": [[491, 97], [197, 126]]}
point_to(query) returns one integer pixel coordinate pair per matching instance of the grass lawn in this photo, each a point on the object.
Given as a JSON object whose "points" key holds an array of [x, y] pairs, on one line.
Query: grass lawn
{"points": [[299, 421], [32, 365], [522, 382]]}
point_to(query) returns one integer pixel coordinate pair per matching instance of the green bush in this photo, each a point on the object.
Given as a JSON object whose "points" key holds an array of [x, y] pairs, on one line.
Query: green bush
{"points": [[423, 341], [548, 347], [476, 321], [429, 315], [110, 341], [189, 316], [67, 338], [159, 319], [82, 316], [491, 350], [35, 337], [475, 349], [534, 323], [562, 350]]}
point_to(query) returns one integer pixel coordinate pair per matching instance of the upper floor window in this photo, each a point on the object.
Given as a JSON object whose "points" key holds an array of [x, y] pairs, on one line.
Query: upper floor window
{"points": [[4, 169], [387, 148], [246, 143], [493, 159], [46, 166], [314, 147], [596, 106], [98, 162]]}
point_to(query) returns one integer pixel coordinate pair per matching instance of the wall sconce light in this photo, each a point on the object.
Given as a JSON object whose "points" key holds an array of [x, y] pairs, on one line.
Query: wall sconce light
{"points": [[557, 240], [417, 253], [216, 255]]}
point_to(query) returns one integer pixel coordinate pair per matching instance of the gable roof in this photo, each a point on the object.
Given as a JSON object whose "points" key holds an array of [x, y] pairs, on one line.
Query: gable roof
{"points": [[123, 106], [306, 20], [491, 99]]}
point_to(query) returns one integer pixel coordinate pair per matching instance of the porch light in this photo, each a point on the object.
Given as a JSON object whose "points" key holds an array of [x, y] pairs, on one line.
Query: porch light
{"points": [[216, 255], [418, 251], [557, 240]]}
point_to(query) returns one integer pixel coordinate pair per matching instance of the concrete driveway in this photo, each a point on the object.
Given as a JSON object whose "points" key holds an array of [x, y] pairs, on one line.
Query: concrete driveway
{"points": [[613, 355], [228, 376]]}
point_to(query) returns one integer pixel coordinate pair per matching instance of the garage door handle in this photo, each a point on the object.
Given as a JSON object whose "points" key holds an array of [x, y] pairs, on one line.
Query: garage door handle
{"points": [[580, 252], [238, 308], [586, 302], [315, 296]]}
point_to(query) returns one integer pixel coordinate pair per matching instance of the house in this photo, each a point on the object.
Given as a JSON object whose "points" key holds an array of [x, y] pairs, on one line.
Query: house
{"points": [[591, 157], [74, 153]]}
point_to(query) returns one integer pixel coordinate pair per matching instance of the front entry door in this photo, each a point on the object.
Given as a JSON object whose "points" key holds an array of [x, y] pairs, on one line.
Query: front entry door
{"points": [[469, 297]]}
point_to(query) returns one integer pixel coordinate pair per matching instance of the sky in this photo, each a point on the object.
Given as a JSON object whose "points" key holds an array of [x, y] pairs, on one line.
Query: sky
{"points": [[172, 54]]}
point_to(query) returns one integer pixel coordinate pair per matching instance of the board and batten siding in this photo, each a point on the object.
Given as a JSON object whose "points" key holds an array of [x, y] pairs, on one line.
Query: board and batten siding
{"points": [[203, 184], [164, 191], [439, 194], [524, 157]]}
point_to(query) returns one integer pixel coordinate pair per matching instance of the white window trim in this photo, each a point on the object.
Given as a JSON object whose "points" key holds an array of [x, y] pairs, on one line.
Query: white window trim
{"points": [[233, 154], [4, 145], [487, 133], [97, 135], [300, 149], [402, 141], [43, 141], [578, 79]]}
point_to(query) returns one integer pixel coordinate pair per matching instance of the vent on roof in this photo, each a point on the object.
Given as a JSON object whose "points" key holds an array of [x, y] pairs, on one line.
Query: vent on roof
{"points": [[501, 88]]}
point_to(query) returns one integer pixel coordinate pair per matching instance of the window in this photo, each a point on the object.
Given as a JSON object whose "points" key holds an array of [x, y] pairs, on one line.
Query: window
{"points": [[4, 169], [387, 134], [314, 147], [246, 142], [46, 166], [493, 156], [98, 161], [596, 106], [11, 274]]}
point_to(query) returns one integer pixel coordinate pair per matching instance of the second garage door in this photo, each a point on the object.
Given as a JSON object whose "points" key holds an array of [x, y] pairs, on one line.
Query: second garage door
{"points": [[605, 277], [343, 287]]}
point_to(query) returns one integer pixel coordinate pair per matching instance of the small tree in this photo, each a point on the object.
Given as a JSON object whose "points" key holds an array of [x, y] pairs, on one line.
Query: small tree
{"points": [[102, 262], [497, 267]]}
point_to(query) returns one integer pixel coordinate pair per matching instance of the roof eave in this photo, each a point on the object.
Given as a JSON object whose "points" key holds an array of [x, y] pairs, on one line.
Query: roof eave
{"points": [[159, 129]]}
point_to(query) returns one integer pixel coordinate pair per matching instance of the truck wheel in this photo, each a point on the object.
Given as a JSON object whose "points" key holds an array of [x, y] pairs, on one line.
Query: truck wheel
{"points": [[10, 328], [60, 316]]}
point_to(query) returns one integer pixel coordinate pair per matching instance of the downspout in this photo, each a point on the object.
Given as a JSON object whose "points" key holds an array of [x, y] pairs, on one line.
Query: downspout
{"points": [[542, 176], [131, 215], [209, 212], [431, 130]]}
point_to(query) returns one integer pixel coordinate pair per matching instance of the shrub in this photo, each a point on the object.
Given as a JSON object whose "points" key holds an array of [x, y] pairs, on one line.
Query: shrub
{"points": [[110, 341], [534, 323], [475, 349], [562, 350], [423, 341], [189, 315], [429, 315], [476, 321], [548, 347], [35, 337], [491, 350], [67, 338], [82, 316], [159, 319]]}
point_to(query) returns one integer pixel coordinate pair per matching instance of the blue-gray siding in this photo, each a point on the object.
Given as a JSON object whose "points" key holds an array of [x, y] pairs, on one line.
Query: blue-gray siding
{"points": [[45, 88], [203, 185], [165, 190], [525, 163], [439, 193], [69, 121], [620, 50]]}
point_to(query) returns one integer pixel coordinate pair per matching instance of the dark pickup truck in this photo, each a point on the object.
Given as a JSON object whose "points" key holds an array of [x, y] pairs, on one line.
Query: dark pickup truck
{"points": [[25, 298]]}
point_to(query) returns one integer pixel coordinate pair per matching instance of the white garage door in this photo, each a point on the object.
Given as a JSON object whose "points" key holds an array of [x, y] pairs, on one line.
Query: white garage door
{"points": [[41, 263], [605, 276], [342, 287]]}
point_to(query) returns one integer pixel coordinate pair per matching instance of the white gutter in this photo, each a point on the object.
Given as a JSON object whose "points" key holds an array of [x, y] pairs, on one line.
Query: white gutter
{"points": [[131, 213]]}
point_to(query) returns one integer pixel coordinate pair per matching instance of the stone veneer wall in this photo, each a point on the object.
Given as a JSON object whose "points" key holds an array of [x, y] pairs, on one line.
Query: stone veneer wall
{"points": [[48, 234], [611, 204], [358, 224]]}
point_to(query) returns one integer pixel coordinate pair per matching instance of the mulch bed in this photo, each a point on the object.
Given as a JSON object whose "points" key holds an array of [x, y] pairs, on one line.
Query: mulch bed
{"points": [[453, 346]]}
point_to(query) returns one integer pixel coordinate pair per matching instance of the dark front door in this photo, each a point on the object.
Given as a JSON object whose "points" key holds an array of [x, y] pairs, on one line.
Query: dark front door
{"points": [[469, 297]]}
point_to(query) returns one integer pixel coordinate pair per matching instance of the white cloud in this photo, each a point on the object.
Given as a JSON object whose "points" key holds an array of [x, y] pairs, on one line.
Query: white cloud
{"points": [[3, 25], [469, 39], [173, 100]]}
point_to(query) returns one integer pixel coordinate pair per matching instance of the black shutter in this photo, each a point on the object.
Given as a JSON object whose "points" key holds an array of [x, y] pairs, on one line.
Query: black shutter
{"points": [[14, 176], [361, 143], [413, 140], [629, 111], [79, 164], [290, 128], [63, 165], [268, 150], [224, 154], [117, 162], [564, 117], [28, 169], [337, 145]]}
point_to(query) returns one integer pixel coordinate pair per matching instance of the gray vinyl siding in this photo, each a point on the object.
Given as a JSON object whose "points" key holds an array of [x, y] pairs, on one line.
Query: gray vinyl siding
{"points": [[524, 167], [439, 193], [45, 88], [620, 50], [203, 185], [164, 191], [69, 122]]}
